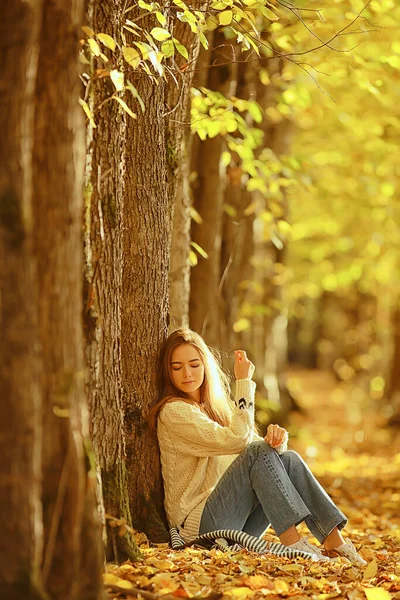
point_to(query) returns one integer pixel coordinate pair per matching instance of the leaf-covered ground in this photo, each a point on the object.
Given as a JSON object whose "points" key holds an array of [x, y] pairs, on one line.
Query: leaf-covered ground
{"points": [[343, 438]]}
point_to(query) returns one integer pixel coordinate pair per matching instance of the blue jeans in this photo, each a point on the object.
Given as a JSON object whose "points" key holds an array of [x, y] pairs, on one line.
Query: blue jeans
{"points": [[262, 488]]}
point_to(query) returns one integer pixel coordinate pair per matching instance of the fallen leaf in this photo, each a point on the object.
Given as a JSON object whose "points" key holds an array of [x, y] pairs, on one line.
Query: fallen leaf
{"points": [[377, 593], [371, 570]]}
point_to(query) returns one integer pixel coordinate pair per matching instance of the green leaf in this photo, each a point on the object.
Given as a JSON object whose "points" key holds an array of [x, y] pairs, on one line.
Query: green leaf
{"points": [[118, 79], [160, 34], [168, 48], [125, 107], [203, 40], [88, 112], [107, 40], [181, 48], [161, 18], [131, 56], [225, 17]]}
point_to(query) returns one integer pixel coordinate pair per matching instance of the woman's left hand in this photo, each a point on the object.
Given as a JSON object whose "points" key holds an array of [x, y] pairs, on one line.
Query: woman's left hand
{"points": [[275, 435]]}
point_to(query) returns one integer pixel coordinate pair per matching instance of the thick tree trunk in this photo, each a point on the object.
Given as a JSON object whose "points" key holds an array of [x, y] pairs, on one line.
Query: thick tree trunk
{"points": [[178, 140], [146, 239], [20, 364], [103, 222], [45, 484], [57, 191]]}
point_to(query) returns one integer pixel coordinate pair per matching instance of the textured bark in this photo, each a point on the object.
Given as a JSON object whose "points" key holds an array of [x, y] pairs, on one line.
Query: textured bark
{"points": [[57, 193], [146, 239], [103, 223], [179, 277], [178, 130], [208, 192], [20, 364]]}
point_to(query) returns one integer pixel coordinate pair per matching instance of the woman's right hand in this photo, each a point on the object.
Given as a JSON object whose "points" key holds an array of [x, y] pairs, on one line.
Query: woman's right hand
{"points": [[243, 368]]}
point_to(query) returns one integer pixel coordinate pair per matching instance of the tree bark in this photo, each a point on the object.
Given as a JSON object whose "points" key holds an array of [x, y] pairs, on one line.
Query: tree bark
{"points": [[146, 240], [208, 193], [20, 362], [57, 193], [103, 224], [178, 148]]}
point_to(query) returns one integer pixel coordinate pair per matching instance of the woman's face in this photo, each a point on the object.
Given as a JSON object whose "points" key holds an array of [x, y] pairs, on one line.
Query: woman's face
{"points": [[187, 370]]}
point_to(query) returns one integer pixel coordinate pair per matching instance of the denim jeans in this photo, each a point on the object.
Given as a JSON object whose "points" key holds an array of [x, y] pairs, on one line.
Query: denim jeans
{"points": [[262, 488]]}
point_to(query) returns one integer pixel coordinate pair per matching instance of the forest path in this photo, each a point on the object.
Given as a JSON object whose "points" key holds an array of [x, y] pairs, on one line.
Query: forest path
{"points": [[342, 436], [343, 439]]}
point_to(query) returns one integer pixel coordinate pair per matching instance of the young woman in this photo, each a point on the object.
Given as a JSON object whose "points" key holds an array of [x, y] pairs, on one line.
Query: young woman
{"points": [[218, 472]]}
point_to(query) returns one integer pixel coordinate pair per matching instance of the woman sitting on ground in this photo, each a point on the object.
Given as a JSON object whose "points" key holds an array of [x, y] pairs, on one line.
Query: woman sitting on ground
{"points": [[218, 473]]}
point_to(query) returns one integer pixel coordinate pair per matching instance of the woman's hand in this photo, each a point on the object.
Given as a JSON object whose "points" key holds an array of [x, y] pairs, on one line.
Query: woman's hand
{"points": [[243, 368], [275, 435]]}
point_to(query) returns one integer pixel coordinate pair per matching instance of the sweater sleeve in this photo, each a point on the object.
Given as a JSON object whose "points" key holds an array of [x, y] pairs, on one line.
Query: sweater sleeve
{"points": [[201, 436]]}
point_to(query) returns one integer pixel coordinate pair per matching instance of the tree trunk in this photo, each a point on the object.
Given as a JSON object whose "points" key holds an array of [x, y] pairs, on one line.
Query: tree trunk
{"points": [[394, 380], [146, 239], [208, 192], [178, 141], [103, 223], [57, 192], [20, 364], [40, 193]]}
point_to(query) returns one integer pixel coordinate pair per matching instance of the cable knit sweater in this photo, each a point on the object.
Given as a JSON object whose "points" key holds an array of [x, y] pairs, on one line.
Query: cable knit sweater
{"points": [[196, 451]]}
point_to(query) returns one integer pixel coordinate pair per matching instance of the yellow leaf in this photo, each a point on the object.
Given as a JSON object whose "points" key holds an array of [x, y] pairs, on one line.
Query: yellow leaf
{"points": [[88, 112], [88, 30], [131, 56], [193, 260], [240, 592], [160, 34], [371, 570], [110, 579], [125, 107], [281, 586], [118, 79], [225, 17], [256, 582], [377, 593], [106, 40], [241, 325], [94, 47]]}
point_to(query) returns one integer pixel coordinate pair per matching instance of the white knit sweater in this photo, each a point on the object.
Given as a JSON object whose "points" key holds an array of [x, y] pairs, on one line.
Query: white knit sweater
{"points": [[196, 451]]}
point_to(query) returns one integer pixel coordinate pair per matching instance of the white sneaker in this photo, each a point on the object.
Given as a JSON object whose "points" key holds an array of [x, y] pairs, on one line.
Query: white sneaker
{"points": [[305, 546], [348, 551]]}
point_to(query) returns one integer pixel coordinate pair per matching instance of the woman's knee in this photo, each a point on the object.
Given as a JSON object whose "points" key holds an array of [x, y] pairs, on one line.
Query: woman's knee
{"points": [[291, 456], [260, 447]]}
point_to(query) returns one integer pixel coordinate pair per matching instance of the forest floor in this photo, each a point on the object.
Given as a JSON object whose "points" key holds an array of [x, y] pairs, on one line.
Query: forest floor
{"points": [[344, 440]]}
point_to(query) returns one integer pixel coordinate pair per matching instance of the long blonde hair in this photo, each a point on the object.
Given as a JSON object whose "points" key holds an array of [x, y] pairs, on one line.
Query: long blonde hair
{"points": [[214, 391]]}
